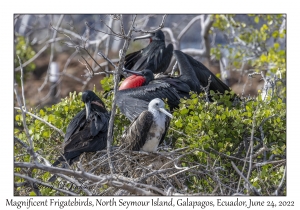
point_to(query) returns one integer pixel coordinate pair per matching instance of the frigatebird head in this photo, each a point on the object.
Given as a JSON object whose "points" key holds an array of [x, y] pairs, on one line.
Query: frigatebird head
{"points": [[91, 100], [146, 73], [158, 105], [157, 36]]}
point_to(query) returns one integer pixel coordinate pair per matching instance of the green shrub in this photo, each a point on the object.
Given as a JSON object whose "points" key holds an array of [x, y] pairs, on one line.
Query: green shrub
{"points": [[213, 129]]}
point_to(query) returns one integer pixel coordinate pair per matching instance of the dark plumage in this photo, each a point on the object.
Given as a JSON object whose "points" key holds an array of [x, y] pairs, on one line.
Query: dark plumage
{"points": [[148, 130], [132, 102], [87, 131], [155, 57], [186, 62], [136, 93]]}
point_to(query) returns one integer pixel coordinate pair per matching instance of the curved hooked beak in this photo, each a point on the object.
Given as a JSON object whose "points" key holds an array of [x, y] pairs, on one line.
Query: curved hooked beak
{"points": [[166, 112], [144, 36], [87, 109], [133, 72]]}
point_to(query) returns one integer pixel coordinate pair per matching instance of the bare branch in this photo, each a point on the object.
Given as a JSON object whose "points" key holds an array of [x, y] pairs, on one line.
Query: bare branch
{"points": [[171, 34], [38, 182], [29, 138], [187, 27], [246, 180], [51, 54], [42, 120], [39, 53], [268, 162], [281, 182], [22, 85], [154, 30], [103, 179], [116, 83], [107, 59], [112, 34]]}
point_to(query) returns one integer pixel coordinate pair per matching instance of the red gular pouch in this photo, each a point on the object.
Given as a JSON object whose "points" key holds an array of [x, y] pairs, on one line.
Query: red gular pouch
{"points": [[132, 82]]}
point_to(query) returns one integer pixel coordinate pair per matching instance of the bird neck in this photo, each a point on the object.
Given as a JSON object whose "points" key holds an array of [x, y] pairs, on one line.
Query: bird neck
{"points": [[97, 105], [157, 115]]}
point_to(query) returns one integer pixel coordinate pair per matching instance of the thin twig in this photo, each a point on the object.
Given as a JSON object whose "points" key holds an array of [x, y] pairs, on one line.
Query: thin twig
{"points": [[116, 84], [38, 53], [268, 162], [281, 182], [51, 54], [22, 85], [42, 120], [29, 138], [154, 30], [103, 179], [246, 180], [38, 182]]}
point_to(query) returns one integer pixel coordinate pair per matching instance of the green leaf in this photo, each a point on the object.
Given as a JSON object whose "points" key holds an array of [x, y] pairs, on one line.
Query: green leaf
{"points": [[17, 117], [263, 58], [66, 108], [223, 116], [276, 45], [184, 111], [32, 193], [46, 134], [42, 113]]}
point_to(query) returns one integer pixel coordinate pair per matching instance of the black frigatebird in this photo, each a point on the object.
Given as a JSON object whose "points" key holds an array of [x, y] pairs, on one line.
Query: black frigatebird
{"points": [[87, 131], [155, 57], [148, 130], [133, 99], [186, 62], [139, 89]]}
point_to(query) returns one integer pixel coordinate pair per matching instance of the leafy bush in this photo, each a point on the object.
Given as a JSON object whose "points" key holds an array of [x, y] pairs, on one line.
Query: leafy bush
{"points": [[221, 133]]}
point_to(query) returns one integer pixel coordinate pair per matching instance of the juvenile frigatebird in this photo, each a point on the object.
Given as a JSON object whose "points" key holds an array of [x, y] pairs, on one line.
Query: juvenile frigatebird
{"points": [[137, 90], [148, 130], [155, 57], [87, 131]]}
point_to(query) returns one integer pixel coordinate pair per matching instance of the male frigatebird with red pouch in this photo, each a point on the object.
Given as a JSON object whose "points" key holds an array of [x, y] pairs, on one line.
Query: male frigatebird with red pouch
{"points": [[155, 57], [139, 89], [137, 79]]}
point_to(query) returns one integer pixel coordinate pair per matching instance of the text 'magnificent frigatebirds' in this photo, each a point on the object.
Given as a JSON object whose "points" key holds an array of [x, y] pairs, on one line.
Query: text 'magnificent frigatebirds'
{"points": [[155, 57], [148, 130], [87, 131]]}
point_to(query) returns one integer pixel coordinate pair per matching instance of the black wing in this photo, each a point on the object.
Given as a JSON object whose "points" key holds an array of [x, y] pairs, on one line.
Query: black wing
{"points": [[187, 71], [76, 124], [132, 102], [203, 73], [155, 57], [132, 58], [160, 60], [135, 136], [90, 137], [167, 124]]}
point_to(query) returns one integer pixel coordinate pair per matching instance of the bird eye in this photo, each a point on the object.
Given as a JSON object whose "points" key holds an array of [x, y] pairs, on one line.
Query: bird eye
{"points": [[156, 104]]}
